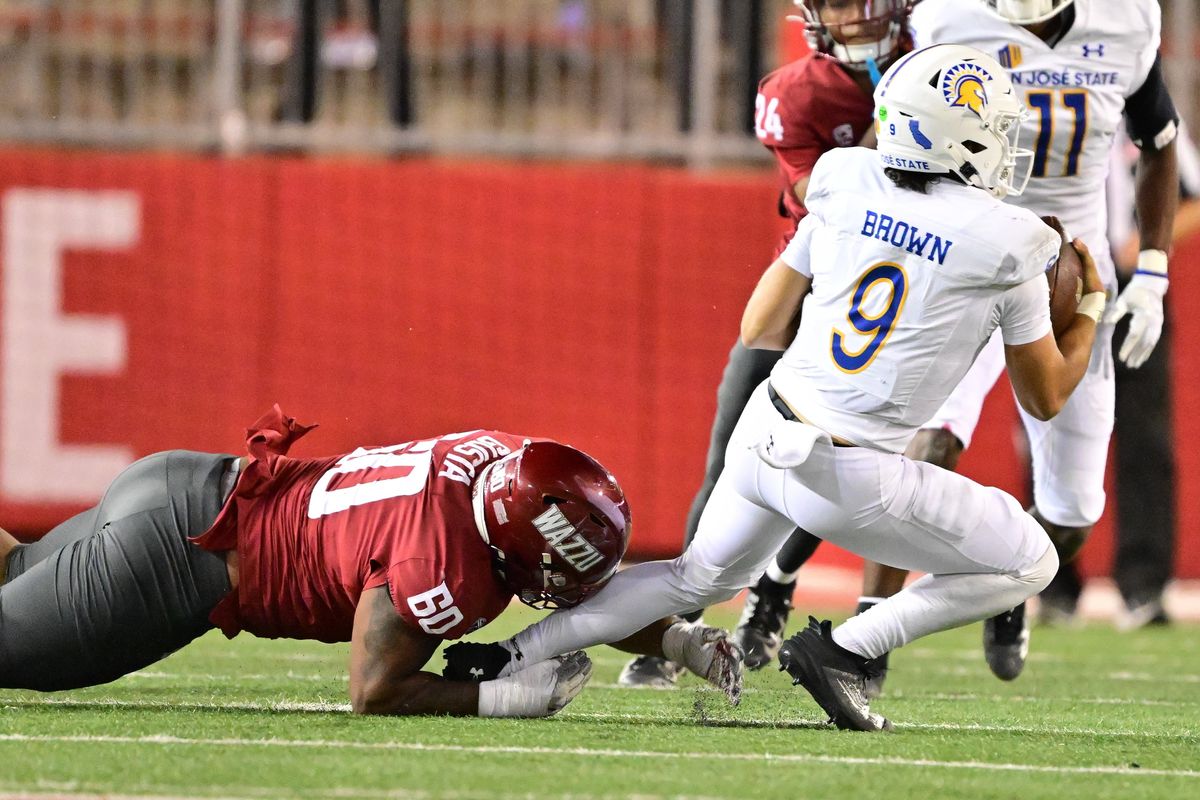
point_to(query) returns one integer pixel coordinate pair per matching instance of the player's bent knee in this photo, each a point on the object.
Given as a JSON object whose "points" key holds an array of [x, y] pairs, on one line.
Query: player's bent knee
{"points": [[1039, 574]]}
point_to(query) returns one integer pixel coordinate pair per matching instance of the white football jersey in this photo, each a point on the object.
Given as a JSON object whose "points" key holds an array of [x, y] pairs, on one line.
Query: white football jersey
{"points": [[1075, 92], [906, 289]]}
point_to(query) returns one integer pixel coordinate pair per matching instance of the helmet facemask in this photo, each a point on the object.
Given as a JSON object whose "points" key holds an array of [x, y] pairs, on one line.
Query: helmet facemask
{"points": [[1026, 12], [881, 25], [1001, 167]]}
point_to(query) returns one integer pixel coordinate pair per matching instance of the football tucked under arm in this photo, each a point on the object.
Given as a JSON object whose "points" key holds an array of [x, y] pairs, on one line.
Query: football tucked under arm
{"points": [[1066, 281]]}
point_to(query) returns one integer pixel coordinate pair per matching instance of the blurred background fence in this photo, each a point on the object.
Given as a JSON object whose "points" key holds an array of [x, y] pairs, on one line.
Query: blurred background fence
{"points": [[211, 205], [668, 79], [644, 78]]}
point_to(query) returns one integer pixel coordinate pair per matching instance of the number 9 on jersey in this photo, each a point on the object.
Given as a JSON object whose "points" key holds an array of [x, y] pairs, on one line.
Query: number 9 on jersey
{"points": [[891, 280]]}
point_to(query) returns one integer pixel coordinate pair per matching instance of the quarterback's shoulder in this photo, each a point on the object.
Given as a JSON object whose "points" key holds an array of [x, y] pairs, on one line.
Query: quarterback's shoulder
{"points": [[1030, 245], [848, 167]]}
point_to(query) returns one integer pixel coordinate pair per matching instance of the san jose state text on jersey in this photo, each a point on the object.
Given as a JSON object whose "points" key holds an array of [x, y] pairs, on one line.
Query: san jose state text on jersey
{"points": [[1046, 77]]}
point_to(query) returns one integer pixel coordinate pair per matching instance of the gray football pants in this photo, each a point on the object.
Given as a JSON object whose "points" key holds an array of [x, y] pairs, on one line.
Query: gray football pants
{"points": [[118, 586]]}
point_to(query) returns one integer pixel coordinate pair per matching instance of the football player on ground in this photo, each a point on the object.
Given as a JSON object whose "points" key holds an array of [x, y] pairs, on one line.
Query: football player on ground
{"points": [[393, 549], [1081, 66], [804, 109], [906, 263]]}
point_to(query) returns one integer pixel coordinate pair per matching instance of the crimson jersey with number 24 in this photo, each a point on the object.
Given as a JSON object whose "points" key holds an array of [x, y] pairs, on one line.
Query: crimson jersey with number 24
{"points": [[312, 534]]}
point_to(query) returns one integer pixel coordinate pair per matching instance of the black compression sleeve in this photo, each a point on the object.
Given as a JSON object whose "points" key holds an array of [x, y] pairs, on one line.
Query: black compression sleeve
{"points": [[1150, 114]]}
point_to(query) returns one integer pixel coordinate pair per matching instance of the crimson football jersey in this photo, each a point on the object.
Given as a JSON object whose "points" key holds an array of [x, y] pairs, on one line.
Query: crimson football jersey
{"points": [[312, 534], [804, 109]]}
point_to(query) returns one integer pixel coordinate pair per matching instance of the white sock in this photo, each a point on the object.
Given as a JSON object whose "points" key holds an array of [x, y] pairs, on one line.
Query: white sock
{"points": [[779, 576], [940, 602]]}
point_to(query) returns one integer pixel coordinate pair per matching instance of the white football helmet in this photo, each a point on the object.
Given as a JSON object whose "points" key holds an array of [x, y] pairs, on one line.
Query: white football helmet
{"points": [[1027, 12], [951, 109], [883, 22]]}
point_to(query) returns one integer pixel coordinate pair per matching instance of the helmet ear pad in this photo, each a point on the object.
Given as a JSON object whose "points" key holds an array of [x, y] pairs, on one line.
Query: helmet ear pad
{"points": [[556, 520]]}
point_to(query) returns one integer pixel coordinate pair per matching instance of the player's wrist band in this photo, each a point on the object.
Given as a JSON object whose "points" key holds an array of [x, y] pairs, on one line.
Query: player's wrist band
{"points": [[1092, 305], [1152, 262]]}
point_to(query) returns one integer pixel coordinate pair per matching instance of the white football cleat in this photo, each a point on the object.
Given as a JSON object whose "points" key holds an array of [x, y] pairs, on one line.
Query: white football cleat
{"points": [[708, 652]]}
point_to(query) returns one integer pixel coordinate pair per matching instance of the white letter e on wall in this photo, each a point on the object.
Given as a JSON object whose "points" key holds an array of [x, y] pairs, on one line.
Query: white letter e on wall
{"points": [[40, 342]]}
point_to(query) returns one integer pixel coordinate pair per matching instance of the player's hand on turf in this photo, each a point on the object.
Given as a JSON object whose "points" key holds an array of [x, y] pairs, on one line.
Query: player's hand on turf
{"points": [[540, 690], [1143, 299], [476, 661]]}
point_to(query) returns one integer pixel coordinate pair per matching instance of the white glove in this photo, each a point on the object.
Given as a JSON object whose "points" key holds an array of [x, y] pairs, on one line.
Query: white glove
{"points": [[707, 652], [539, 690], [1143, 298]]}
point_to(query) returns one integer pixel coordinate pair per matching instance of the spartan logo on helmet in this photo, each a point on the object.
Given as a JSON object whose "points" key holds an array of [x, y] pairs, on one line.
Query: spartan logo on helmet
{"points": [[964, 85]]}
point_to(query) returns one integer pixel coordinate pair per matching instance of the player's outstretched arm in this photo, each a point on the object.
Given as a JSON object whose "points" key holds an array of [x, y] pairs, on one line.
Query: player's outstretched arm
{"points": [[1045, 372], [773, 313], [386, 656]]}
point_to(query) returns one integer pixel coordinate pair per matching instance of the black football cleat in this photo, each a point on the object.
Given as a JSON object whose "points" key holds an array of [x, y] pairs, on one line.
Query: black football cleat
{"points": [[875, 682], [1006, 643], [760, 630], [650, 672], [834, 676]]}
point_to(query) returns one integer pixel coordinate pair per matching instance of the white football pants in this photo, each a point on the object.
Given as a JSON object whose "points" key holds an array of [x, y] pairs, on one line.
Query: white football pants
{"points": [[983, 552]]}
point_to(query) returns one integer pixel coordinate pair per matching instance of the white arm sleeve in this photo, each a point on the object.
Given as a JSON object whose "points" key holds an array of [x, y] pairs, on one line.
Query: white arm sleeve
{"points": [[1025, 311], [798, 252]]}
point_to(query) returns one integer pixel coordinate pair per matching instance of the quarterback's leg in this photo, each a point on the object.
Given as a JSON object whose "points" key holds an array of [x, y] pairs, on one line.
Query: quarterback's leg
{"points": [[941, 443], [744, 370], [125, 587], [737, 536], [983, 553]]}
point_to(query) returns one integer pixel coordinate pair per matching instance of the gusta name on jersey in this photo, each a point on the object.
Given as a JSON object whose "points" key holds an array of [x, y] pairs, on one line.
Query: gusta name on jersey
{"points": [[899, 233]]}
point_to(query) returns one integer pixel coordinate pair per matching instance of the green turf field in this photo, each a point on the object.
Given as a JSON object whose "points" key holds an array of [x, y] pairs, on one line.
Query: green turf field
{"points": [[1097, 714]]}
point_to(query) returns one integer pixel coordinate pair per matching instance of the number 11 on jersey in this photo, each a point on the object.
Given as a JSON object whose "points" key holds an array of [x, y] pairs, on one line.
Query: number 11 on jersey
{"points": [[1043, 103]]}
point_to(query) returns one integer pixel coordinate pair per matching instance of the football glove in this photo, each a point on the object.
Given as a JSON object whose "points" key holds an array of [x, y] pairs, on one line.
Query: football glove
{"points": [[540, 690], [1143, 299], [476, 661]]}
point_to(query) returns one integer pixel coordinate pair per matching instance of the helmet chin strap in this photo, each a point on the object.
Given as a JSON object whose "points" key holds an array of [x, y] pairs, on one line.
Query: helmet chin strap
{"points": [[873, 71]]}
